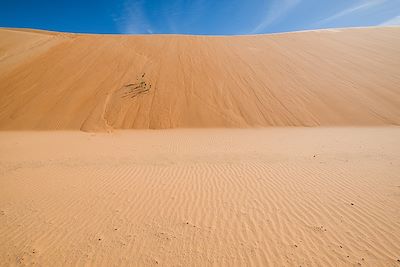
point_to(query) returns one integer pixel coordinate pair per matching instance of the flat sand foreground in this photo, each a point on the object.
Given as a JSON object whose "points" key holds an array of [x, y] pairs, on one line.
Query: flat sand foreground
{"points": [[278, 197]]}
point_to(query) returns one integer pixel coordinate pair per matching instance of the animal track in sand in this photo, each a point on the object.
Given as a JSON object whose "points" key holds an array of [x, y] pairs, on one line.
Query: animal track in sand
{"points": [[134, 89]]}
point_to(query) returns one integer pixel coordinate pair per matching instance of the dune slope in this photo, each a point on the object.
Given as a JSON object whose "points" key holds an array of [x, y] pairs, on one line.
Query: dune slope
{"points": [[100, 82]]}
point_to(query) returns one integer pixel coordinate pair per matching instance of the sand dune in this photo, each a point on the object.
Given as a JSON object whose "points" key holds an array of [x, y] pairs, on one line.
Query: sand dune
{"points": [[276, 196], [100, 82], [266, 197]]}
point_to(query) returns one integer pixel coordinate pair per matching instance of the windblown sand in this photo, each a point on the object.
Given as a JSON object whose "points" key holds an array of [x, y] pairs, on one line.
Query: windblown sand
{"points": [[277, 197], [201, 195], [94, 82]]}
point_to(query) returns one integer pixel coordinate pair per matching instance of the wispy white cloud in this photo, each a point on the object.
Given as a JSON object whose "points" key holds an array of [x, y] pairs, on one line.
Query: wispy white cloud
{"points": [[182, 16], [133, 18], [392, 22], [173, 12], [276, 10], [189, 12], [361, 6]]}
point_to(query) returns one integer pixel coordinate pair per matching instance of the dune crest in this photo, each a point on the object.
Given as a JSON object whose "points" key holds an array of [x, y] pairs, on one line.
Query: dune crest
{"points": [[94, 82]]}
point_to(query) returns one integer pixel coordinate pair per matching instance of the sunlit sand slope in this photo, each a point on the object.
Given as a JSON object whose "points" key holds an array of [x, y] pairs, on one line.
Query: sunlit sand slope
{"points": [[99, 82]]}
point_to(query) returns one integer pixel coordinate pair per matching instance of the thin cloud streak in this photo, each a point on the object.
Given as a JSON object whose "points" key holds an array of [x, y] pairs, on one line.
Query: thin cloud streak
{"points": [[133, 19], [395, 21], [277, 10], [365, 5], [189, 14], [180, 16]]}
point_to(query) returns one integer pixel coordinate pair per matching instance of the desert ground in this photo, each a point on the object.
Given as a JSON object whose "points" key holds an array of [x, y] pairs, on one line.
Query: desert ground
{"points": [[170, 150], [54, 81]]}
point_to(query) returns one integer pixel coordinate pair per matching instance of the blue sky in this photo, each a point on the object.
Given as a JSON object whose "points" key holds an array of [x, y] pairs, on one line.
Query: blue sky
{"points": [[211, 17]]}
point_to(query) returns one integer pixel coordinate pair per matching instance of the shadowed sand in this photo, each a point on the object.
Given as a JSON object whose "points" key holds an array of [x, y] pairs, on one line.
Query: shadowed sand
{"points": [[100, 82], [277, 197]]}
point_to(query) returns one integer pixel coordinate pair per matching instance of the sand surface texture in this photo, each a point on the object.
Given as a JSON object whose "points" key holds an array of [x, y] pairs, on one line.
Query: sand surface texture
{"points": [[266, 197], [103, 82], [78, 190]]}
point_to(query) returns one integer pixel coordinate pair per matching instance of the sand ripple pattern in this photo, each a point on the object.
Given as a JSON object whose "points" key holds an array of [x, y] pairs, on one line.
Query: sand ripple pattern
{"points": [[274, 197]]}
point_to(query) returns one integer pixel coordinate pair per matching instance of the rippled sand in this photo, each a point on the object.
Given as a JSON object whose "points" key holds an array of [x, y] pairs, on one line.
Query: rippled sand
{"points": [[277, 197]]}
